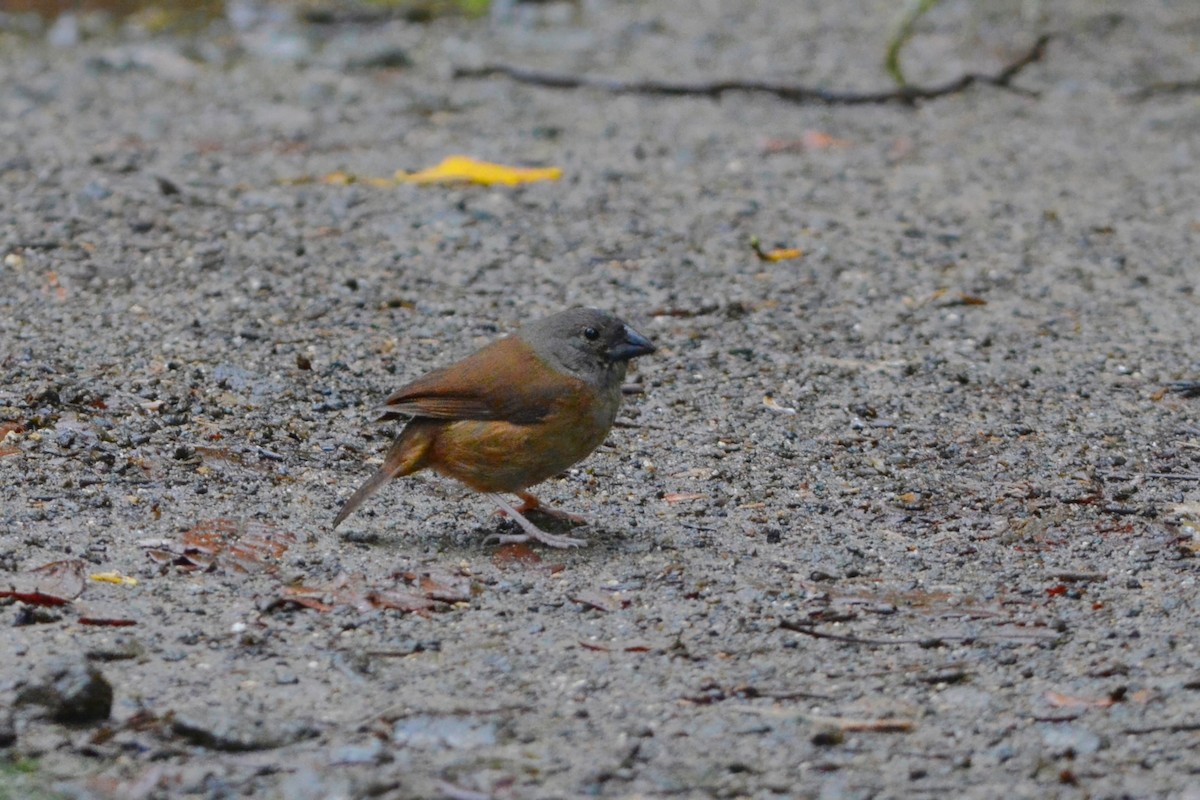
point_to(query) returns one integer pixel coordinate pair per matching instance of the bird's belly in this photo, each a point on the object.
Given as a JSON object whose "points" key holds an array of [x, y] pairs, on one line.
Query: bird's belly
{"points": [[495, 456]]}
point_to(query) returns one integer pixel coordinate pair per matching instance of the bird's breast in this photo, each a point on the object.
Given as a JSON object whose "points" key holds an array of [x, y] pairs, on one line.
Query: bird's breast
{"points": [[500, 456]]}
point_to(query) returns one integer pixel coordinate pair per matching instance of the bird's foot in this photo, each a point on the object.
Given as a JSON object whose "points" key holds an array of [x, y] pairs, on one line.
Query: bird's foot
{"points": [[548, 539], [531, 503], [531, 531]]}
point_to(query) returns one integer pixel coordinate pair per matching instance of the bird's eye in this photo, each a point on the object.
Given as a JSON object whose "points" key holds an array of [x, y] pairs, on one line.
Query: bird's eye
{"points": [[590, 334]]}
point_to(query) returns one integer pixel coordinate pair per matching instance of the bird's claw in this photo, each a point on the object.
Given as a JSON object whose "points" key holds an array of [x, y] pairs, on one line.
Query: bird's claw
{"points": [[548, 539], [531, 531]]}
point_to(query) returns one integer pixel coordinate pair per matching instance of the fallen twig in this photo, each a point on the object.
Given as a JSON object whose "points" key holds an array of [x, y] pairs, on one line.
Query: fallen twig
{"points": [[791, 92], [1079, 577], [927, 642], [843, 724], [401, 711], [1166, 88], [1182, 727], [1186, 388]]}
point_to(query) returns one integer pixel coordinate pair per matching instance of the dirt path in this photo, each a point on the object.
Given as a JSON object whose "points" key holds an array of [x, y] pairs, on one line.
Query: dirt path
{"points": [[914, 513]]}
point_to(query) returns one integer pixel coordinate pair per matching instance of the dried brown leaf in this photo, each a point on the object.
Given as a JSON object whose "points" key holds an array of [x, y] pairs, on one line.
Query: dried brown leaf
{"points": [[597, 600], [683, 497], [233, 545], [1060, 700], [515, 554]]}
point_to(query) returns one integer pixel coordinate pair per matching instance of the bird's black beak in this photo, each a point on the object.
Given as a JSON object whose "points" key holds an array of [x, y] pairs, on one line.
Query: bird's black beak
{"points": [[632, 345]]}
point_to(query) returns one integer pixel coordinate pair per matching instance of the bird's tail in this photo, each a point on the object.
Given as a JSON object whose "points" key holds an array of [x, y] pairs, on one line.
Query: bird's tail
{"points": [[404, 458]]}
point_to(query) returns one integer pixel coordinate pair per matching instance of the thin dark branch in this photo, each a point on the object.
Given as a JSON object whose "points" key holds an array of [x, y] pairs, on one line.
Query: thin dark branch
{"points": [[927, 642], [1079, 577], [1186, 388], [1181, 727], [793, 93], [796, 627], [1167, 88]]}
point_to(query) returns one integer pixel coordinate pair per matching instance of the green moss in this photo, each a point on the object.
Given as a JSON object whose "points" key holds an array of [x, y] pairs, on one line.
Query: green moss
{"points": [[19, 780]]}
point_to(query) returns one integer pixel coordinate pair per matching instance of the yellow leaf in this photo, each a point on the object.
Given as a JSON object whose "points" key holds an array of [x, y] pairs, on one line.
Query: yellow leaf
{"points": [[339, 178], [782, 254], [114, 577], [463, 169]]}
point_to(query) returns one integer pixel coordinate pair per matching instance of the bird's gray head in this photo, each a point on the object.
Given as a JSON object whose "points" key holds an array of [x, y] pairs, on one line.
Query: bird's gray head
{"points": [[586, 342]]}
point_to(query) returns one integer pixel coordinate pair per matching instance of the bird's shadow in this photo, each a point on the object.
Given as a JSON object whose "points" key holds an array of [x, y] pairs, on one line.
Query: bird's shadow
{"points": [[375, 532], [550, 523]]}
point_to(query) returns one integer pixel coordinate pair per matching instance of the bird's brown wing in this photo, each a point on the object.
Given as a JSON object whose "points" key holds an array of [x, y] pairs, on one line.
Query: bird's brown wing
{"points": [[503, 381]]}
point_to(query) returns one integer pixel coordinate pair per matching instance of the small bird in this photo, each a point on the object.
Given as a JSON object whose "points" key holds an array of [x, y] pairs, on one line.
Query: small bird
{"points": [[515, 413]]}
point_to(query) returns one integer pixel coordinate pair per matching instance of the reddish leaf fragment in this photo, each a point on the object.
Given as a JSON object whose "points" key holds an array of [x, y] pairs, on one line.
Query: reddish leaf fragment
{"points": [[265, 540], [53, 286], [1055, 591], [683, 497], [53, 584], [1059, 700], [10, 427], [521, 554], [1142, 696], [210, 454], [353, 590], [310, 602], [161, 556], [634, 646], [444, 586], [400, 600], [196, 562], [209, 536], [772, 146], [819, 140], [597, 600], [889, 725], [320, 598], [900, 149], [7, 450], [109, 623], [236, 545], [35, 598], [809, 140]]}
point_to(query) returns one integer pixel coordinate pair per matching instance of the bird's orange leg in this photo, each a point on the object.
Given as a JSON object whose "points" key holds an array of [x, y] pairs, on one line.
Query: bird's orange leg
{"points": [[531, 503], [531, 531]]}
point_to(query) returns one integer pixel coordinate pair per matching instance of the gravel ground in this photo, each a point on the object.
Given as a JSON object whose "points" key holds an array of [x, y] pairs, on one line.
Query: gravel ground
{"points": [[913, 514]]}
